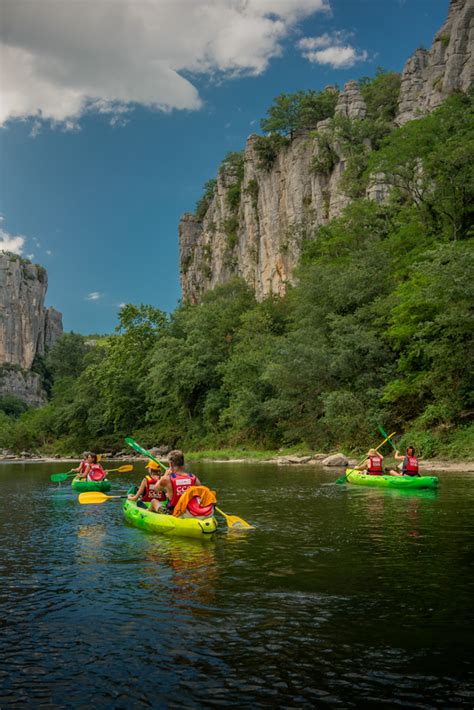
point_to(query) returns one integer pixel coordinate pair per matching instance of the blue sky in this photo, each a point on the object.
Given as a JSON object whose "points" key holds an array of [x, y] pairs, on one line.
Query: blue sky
{"points": [[95, 190]]}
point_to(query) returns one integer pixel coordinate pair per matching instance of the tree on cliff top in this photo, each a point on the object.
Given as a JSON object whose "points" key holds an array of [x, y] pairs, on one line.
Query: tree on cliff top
{"points": [[303, 109]]}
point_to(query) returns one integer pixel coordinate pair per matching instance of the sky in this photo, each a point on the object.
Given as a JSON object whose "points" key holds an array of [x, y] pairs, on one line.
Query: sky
{"points": [[114, 113]]}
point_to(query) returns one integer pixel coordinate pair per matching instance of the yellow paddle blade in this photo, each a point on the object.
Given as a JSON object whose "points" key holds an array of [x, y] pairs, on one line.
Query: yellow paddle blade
{"points": [[122, 469], [233, 521], [94, 497], [99, 458]]}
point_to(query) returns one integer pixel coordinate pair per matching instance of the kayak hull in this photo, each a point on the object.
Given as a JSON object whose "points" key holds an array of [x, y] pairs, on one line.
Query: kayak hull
{"points": [[401, 482], [82, 486], [168, 524]]}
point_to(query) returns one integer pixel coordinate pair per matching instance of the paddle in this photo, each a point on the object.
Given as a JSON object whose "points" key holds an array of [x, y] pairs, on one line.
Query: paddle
{"points": [[95, 497], [234, 519], [143, 451], [59, 477], [344, 478], [384, 433]]}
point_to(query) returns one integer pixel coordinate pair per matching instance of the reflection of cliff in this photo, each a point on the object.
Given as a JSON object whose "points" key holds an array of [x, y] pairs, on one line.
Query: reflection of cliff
{"points": [[260, 238], [27, 328]]}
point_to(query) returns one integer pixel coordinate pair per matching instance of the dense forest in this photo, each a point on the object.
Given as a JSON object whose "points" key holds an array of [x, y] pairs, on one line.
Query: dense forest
{"points": [[378, 327]]}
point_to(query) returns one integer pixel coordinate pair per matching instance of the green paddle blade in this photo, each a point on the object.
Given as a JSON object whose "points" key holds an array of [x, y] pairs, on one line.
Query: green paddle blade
{"points": [[143, 451], [59, 477]]}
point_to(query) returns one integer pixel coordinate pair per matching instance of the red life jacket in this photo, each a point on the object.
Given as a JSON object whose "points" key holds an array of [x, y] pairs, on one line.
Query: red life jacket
{"points": [[375, 466], [410, 466], [180, 483], [150, 493], [82, 466], [96, 473]]}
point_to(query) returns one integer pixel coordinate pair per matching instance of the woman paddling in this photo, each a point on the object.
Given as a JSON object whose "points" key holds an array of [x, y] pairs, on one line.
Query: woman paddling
{"points": [[409, 467], [372, 464]]}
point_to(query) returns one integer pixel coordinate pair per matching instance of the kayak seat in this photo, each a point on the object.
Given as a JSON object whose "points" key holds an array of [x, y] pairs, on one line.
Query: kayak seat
{"points": [[196, 509]]}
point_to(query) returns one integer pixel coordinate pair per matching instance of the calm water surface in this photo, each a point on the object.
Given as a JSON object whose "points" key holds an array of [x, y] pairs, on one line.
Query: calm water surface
{"points": [[341, 596]]}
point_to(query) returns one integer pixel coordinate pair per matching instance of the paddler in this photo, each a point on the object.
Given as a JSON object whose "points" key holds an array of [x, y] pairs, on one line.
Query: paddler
{"points": [[409, 467], [373, 464], [81, 470], [95, 472], [147, 491], [174, 482]]}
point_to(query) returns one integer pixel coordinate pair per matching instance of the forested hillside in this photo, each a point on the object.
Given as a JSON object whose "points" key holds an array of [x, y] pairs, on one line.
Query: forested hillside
{"points": [[378, 326]]}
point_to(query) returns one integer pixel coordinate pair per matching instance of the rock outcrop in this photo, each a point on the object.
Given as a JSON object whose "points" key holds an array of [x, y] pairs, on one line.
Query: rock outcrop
{"points": [[431, 76], [23, 384], [27, 328], [281, 205]]}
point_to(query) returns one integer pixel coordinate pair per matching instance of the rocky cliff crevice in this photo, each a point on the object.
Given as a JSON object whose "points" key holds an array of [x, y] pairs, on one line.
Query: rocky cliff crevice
{"points": [[27, 328], [281, 205]]}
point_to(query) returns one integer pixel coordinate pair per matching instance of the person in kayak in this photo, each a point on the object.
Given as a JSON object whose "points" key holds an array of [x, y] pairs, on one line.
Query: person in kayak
{"points": [[95, 472], [81, 470], [409, 467], [174, 482], [373, 464], [147, 492]]}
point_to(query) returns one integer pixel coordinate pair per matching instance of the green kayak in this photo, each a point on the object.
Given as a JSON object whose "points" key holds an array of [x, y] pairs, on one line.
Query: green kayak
{"points": [[168, 524], [82, 486], [400, 482]]}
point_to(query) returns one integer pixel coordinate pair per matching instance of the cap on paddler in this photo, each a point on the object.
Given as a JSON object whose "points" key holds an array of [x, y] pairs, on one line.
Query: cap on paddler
{"points": [[152, 465]]}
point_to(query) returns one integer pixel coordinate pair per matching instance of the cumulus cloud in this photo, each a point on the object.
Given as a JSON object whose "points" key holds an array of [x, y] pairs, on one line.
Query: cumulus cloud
{"points": [[8, 242], [93, 296], [61, 59], [331, 49]]}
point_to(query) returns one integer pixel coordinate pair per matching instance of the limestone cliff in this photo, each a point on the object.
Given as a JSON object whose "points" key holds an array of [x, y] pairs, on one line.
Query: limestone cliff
{"points": [[259, 237], [430, 76], [27, 328]]}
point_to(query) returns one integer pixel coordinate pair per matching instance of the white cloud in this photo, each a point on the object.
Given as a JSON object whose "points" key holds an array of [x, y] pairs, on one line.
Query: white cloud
{"points": [[11, 243], [61, 59], [30, 257], [332, 49], [49, 252], [94, 296]]}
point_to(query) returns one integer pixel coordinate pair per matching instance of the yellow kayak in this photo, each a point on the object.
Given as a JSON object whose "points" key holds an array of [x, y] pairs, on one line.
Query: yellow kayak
{"points": [[168, 524]]}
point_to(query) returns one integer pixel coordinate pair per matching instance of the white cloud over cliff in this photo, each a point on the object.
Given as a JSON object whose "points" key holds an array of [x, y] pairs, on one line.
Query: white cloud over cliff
{"points": [[60, 58]]}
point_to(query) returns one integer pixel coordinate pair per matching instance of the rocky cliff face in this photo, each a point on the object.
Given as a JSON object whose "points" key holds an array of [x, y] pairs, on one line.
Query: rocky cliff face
{"points": [[26, 326], [260, 239], [431, 76]]}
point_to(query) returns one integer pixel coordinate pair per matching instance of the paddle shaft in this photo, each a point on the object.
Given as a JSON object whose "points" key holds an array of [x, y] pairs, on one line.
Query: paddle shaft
{"points": [[384, 433]]}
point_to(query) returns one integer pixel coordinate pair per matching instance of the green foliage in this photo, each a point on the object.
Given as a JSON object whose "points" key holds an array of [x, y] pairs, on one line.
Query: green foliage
{"points": [[66, 358], [267, 149], [381, 94], [430, 163], [231, 226], [203, 203], [12, 406], [303, 109]]}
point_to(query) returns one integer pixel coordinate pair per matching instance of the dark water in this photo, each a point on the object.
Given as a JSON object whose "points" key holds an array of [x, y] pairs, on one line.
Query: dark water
{"points": [[342, 597]]}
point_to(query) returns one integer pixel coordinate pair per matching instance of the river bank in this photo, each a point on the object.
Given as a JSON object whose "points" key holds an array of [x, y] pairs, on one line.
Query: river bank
{"points": [[429, 465]]}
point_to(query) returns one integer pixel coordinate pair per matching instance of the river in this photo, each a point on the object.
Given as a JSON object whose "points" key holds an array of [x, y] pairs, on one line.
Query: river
{"points": [[340, 597]]}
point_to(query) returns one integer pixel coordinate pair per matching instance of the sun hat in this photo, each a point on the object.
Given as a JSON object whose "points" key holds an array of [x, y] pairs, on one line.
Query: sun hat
{"points": [[153, 466]]}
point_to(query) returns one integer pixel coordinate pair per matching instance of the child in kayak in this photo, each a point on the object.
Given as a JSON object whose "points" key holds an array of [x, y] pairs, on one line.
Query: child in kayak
{"points": [[409, 467], [81, 469], [95, 472], [174, 482], [373, 464], [147, 491]]}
